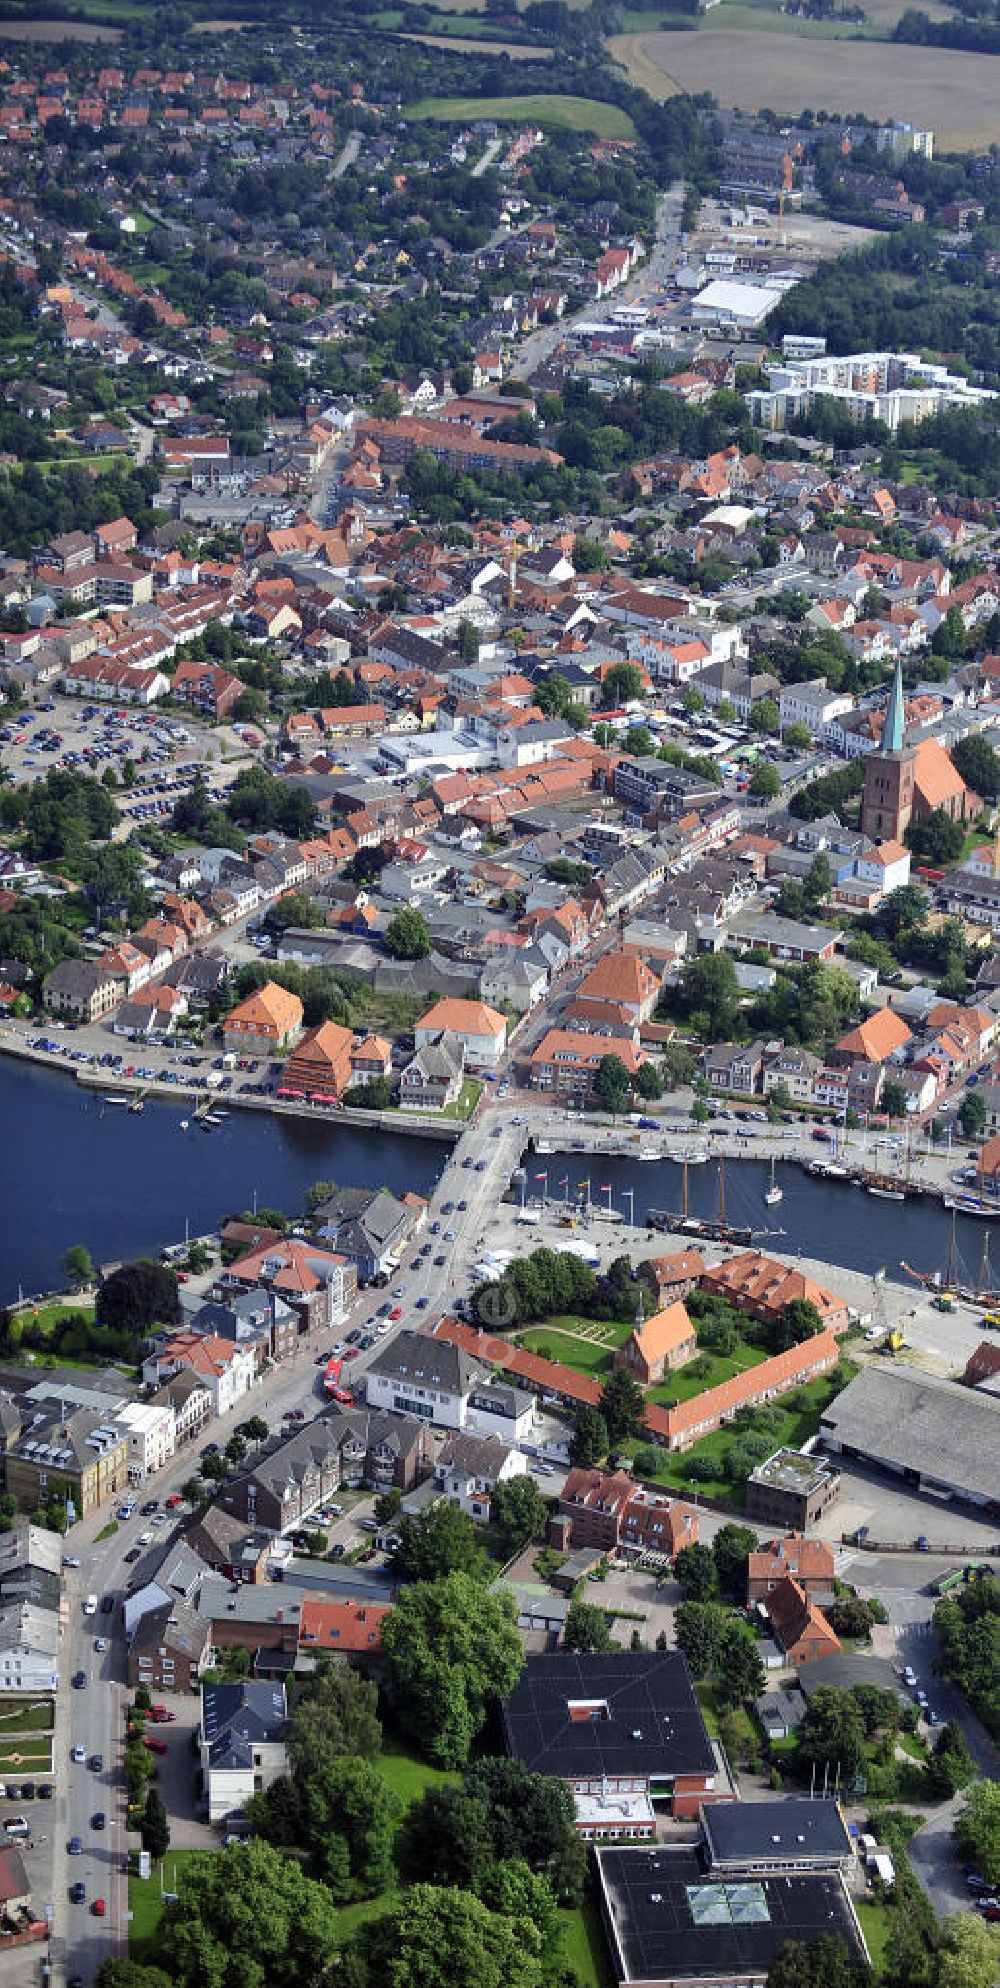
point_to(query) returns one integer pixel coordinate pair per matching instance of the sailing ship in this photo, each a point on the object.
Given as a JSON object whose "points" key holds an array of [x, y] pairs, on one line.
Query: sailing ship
{"points": [[952, 1280], [773, 1193], [709, 1228]]}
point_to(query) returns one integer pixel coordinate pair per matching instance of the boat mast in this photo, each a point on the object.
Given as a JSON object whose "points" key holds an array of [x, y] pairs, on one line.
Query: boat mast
{"points": [[721, 1211], [985, 1266], [951, 1267], [684, 1189]]}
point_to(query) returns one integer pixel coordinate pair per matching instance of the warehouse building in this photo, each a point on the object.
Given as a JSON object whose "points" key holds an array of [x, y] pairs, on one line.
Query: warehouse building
{"points": [[937, 1436]]}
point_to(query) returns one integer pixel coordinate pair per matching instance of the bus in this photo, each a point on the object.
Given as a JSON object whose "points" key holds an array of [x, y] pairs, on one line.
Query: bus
{"points": [[331, 1384]]}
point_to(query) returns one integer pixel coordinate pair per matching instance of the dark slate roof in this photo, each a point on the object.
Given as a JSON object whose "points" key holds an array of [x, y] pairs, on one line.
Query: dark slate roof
{"points": [[652, 1726], [432, 1362], [790, 1829], [669, 1922], [235, 1717], [846, 1671]]}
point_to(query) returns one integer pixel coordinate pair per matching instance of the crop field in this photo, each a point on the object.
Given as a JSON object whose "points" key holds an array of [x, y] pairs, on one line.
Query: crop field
{"points": [[518, 51], [59, 30], [572, 113], [953, 92]]}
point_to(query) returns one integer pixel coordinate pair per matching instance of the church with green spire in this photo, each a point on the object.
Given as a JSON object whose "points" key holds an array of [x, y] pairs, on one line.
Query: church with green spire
{"points": [[887, 801]]}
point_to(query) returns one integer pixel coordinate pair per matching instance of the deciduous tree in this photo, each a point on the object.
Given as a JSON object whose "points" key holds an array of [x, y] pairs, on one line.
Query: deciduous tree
{"points": [[450, 1646]]}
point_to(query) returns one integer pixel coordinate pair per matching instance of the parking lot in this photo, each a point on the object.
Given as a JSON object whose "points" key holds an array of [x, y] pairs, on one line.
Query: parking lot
{"points": [[190, 1070], [165, 749]]}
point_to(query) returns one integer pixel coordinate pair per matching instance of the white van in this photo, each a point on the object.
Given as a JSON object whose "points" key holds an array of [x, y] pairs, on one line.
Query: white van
{"points": [[90, 1605], [16, 1825]]}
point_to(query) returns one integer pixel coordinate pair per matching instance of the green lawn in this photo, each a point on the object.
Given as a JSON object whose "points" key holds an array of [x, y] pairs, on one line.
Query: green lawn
{"points": [[462, 1108], [18, 1717], [571, 113], [350, 1917], [584, 1945], [406, 1773], [796, 1425], [708, 1701], [466, 1101], [21, 1753], [682, 1384], [146, 1905], [583, 1355], [47, 1317], [875, 1925]]}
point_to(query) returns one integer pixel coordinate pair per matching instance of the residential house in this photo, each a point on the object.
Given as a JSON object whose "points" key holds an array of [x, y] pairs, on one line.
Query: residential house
{"points": [[265, 1023], [320, 1064], [880, 1038], [809, 1561], [799, 1627], [228, 1371], [80, 989], [369, 1226], [191, 1401], [169, 1648], [242, 1732], [480, 1030], [433, 1077], [566, 1061], [207, 688], [735, 1068], [673, 1276], [343, 1627], [763, 1287], [619, 990], [345, 1446], [317, 1283], [29, 1647], [468, 1467], [81, 1455], [610, 1511]]}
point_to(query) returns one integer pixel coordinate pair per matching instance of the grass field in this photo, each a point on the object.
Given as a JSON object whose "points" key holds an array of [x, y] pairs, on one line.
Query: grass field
{"points": [[146, 1905], [47, 1317], [584, 1945], [31, 1753], [572, 113], [406, 1773], [18, 1717], [585, 1356], [796, 1425], [953, 92], [518, 51], [683, 1384], [42, 31], [875, 1925]]}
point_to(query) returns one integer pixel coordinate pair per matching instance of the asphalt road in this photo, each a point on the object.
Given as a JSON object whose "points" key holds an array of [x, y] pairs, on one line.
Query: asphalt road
{"points": [[665, 249]]}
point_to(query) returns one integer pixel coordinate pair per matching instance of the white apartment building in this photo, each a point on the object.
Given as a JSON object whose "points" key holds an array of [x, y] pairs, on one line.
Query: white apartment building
{"points": [[723, 641], [152, 1437], [812, 704], [877, 386]]}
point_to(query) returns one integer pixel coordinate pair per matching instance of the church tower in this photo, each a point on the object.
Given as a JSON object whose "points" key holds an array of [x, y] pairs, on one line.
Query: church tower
{"points": [[887, 801]]}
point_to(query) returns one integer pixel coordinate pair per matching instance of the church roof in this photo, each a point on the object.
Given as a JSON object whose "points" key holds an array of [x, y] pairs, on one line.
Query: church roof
{"points": [[894, 727]]}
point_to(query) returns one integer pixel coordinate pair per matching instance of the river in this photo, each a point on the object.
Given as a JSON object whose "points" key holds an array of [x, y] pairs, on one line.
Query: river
{"points": [[74, 1170], [832, 1220]]}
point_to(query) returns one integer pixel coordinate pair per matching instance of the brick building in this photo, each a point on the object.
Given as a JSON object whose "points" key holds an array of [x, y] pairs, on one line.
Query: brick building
{"points": [[657, 1344]]}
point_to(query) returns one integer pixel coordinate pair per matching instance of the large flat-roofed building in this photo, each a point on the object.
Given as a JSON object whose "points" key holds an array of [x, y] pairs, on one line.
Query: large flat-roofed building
{"points": [[623, 1722], [938, 1435], [671, 1924], [790, 1833], [792, 1490]]}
